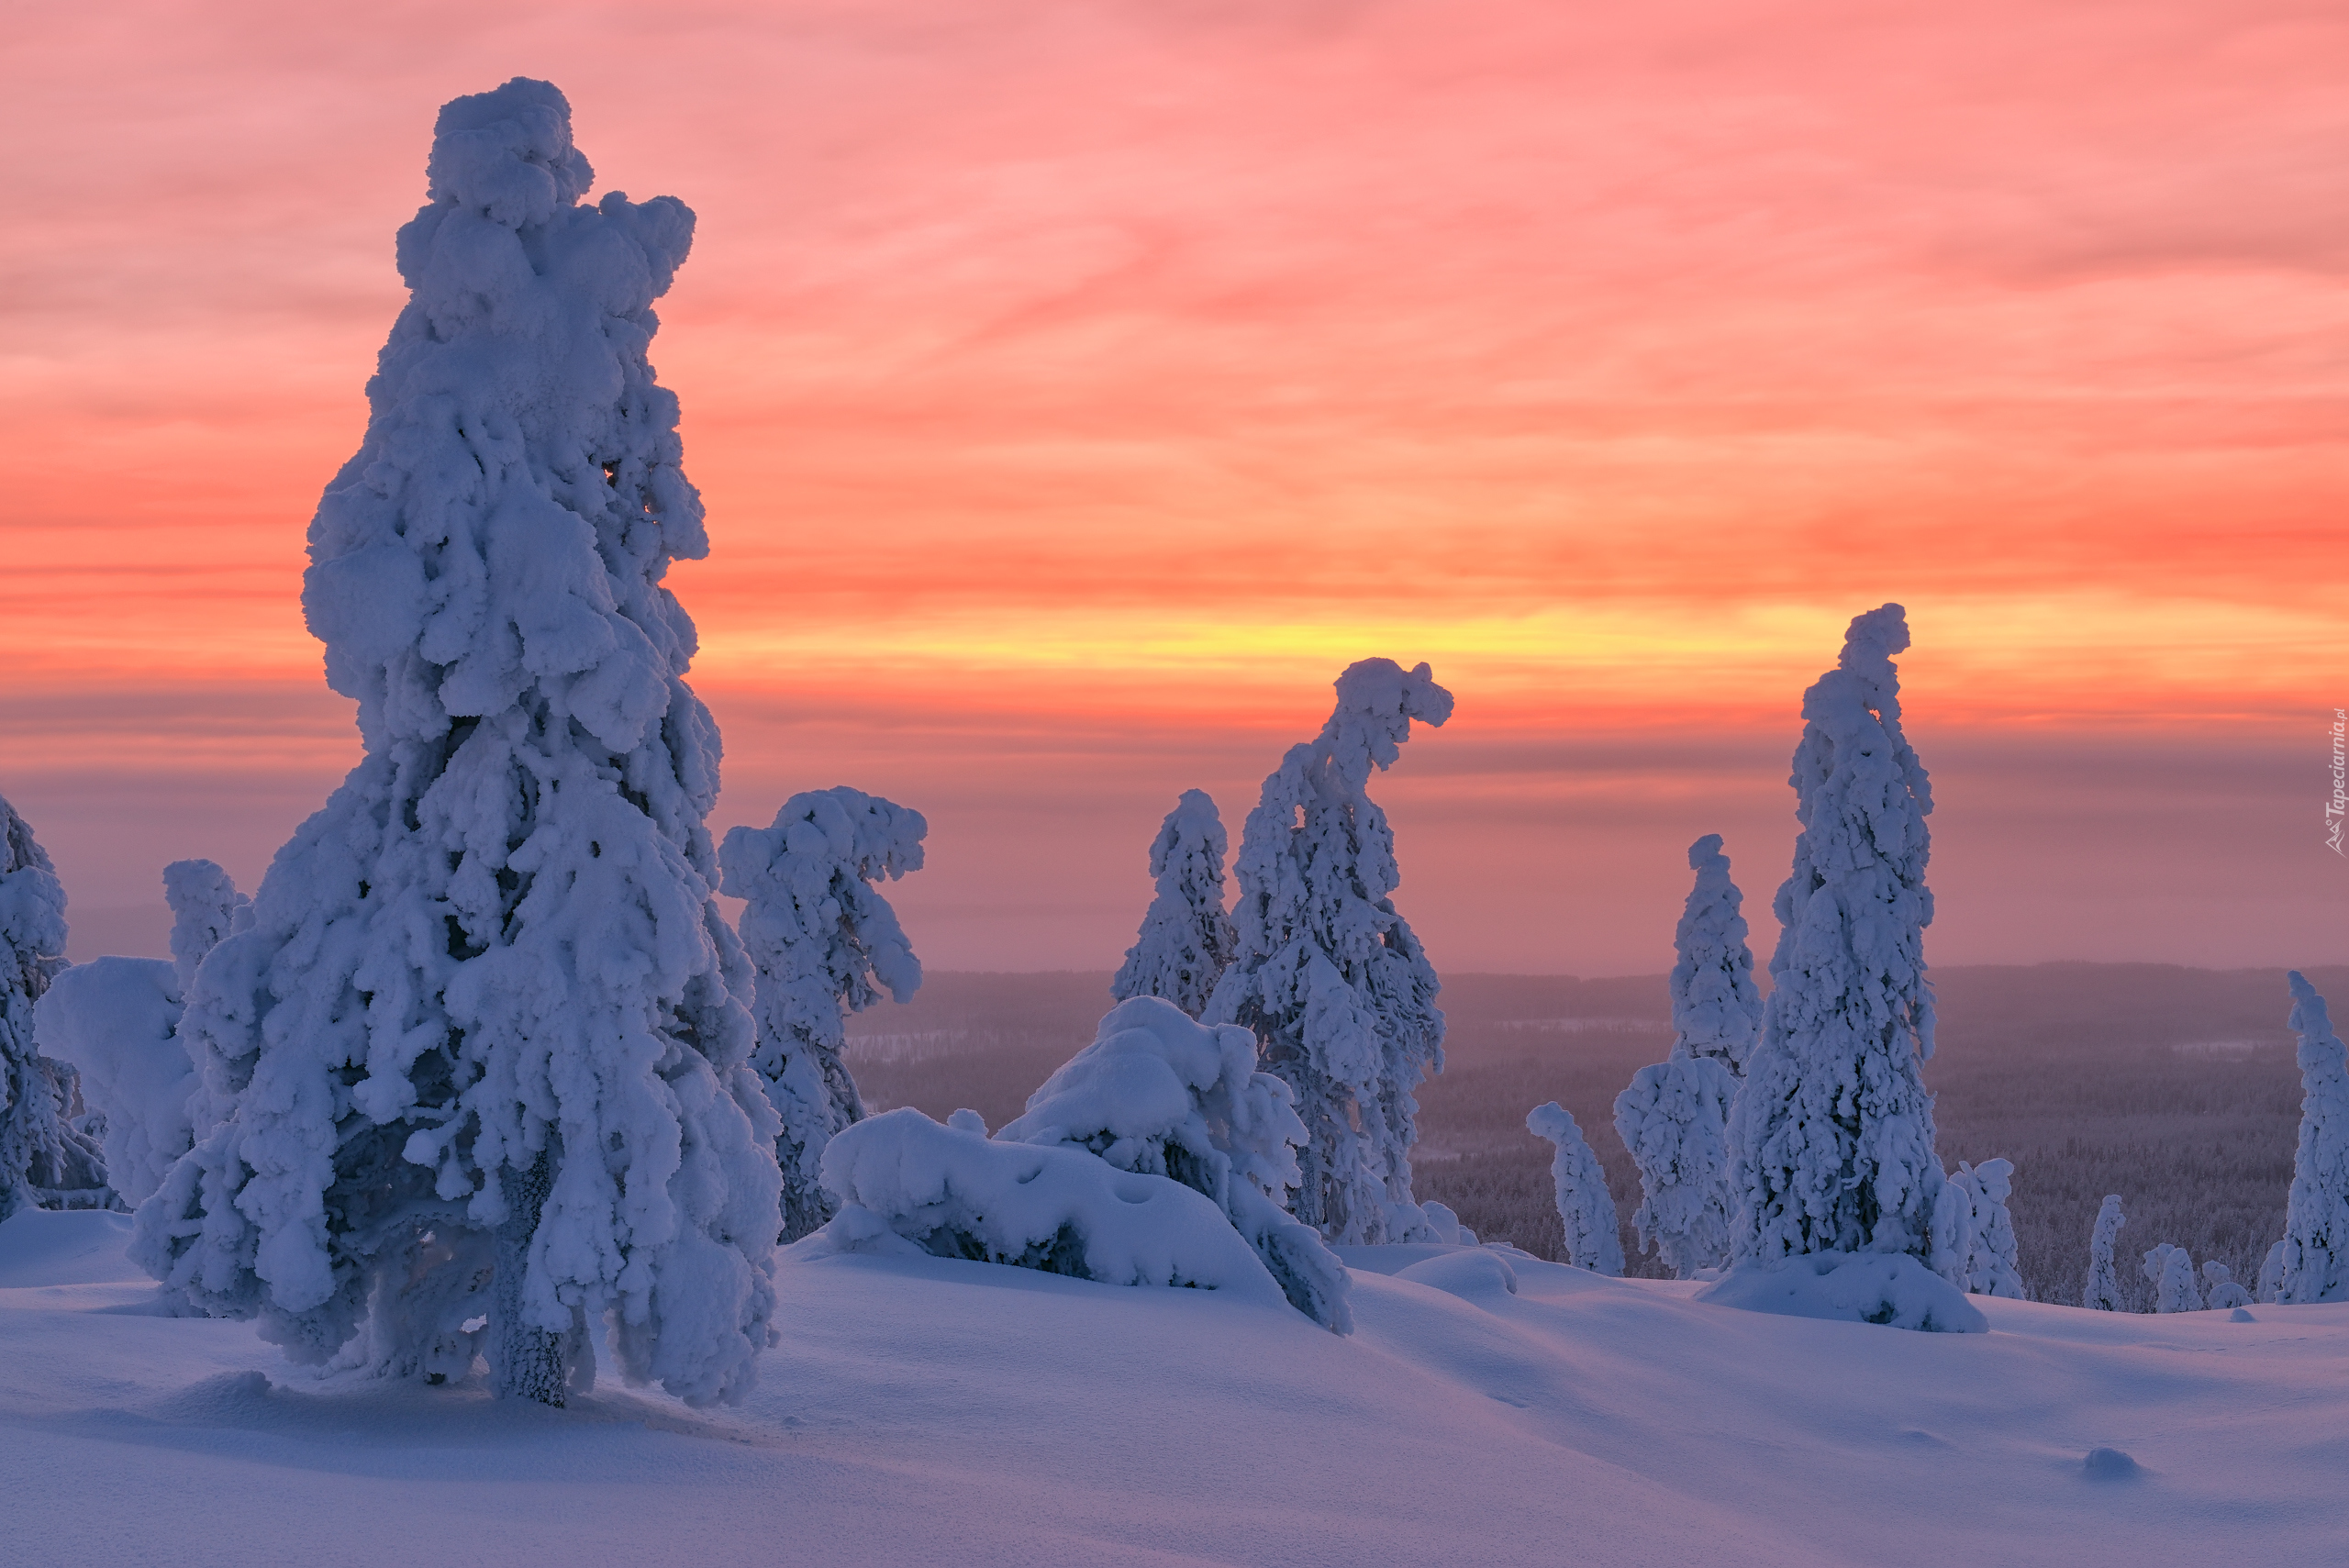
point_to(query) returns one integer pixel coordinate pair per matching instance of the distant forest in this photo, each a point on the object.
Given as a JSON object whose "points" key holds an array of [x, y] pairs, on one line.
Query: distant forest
{"points": [[2174, 1087]]}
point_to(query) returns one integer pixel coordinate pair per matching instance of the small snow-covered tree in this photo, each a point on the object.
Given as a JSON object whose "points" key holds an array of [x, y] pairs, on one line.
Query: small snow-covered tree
{"points": [[1585, 1208], [1674, 1117], [1834, 1132], [1715, 1007], [1187, 939], [2172, 1271], [1990, 1266], [2224, 1292], [484, 1048], [2104, 1277], [117, 1021], [45, 1159], [2314, 1265], [1331, 980], [824, 944], [2271, 1273], [1157, 1092]]}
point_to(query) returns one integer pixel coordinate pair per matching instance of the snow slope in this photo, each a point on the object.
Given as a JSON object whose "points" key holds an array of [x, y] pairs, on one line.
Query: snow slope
{"points": [[1489, 1408]]}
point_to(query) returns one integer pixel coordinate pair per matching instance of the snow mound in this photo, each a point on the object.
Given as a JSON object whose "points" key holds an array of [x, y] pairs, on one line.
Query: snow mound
{"points": [[1474, 1275], [2110, 1465], [903, 1178], [1852, 1288], [41, 1247], [116, 1020]]}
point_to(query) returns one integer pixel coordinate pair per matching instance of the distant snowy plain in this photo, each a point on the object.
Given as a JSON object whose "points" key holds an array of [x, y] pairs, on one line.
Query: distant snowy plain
{"points": [[924, 1411]]}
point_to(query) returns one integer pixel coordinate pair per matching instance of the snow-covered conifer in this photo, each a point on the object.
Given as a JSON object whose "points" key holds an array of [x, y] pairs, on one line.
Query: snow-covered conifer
{"points": [[1329, 977], [45, 1159], [1585, 1208], [1674, 1117], [2172, 1271], [1990, 1266], [206, 907], [1158, 1093], [2104, 1278], [2271, 1273], [1187, 939], [1715, 1007], [824, 944], [1833, 1130], [485, 1044], [2315, 1261], [2225, 1292], [117, 1021]]}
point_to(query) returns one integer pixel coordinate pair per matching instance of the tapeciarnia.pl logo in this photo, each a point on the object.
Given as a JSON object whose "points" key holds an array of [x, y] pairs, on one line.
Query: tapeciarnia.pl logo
{"points": [[2337, 807]]}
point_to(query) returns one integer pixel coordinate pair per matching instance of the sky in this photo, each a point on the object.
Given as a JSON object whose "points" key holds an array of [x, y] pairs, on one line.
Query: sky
{"points": [[1076, 389]]}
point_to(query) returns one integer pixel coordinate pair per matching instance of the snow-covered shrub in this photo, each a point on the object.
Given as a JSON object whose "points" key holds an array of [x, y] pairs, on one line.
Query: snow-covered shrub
{"points": [[45, 1159], [2104, 1277], [1990, 1267], [1833, 1137], [1890, 1288], [117, 1021], [2172, 1272], [2223, 1292], [904, 1181], [1187, 939], [1446, 1225], [2315, 1261], [1329, 977], [487, 997], [1586, 1209], [1160, 1093], [1674, 1115], [824, 944]]}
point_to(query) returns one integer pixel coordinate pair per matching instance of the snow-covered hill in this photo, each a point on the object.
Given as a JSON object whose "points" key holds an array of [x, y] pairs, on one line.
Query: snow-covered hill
{"points": [[928, 1412]]}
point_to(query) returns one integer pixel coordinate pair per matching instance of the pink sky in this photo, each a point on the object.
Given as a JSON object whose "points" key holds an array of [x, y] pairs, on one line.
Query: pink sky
{"points": [[1077, 388]]}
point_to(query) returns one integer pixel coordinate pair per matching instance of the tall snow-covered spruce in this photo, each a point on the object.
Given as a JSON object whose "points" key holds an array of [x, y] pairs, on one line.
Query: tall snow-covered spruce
{"points": [[1330, 978], [484, 1048], [2314, 1262], [1187, 939], [44, 1160], [824, 944], [1674, 1117], [1833, 1130]]}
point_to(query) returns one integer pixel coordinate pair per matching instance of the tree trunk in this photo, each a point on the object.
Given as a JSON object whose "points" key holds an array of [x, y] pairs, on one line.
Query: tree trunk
{"points": [[530, 1359]]}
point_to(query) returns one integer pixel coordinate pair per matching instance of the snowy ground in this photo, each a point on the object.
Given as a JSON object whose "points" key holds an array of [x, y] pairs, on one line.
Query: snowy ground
{"points": [[927, 1411]]}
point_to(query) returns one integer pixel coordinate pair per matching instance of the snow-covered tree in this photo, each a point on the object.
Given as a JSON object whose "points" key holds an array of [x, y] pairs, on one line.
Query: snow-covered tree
{"points": [[1990, 1265], [2172, 1271], [1715, 1007], [1674, 1117], [1329, 977], [1158, 1093], [206, 907], [1586, 1209], [2315, 1261], [1187, 939], [824, 944], [117, 1021], [45, 1159], [1834, 1132], [2224, 1291], [2104, 1277], [2271, 1273], [484, 1048]]}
